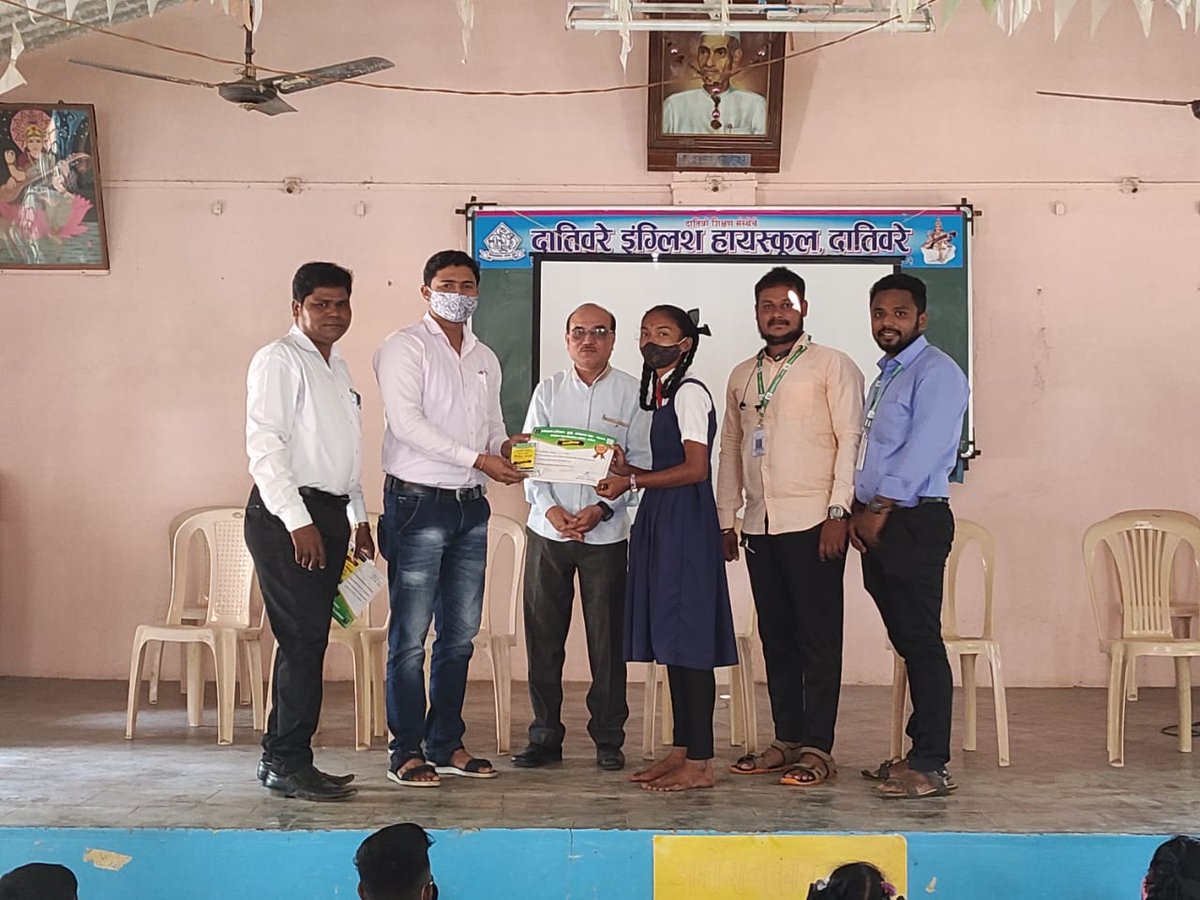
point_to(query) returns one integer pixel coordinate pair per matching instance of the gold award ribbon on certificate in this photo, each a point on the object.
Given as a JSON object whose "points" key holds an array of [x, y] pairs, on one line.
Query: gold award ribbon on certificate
{"points": [[565, 455]]}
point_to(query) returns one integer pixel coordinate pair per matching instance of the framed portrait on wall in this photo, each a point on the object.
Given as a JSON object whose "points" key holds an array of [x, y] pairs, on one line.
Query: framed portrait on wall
{"points": [[51, 204], [715, 101]]}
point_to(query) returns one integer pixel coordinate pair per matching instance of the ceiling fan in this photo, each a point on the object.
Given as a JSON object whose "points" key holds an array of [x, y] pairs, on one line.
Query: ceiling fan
{"points": [[262, 94], [1194, 105]]}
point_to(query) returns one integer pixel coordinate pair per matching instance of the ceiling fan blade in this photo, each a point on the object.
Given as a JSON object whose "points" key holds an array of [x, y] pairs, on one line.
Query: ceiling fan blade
{"points": [[273, 107], [1117, 99], [303, 81], [140, 74]]}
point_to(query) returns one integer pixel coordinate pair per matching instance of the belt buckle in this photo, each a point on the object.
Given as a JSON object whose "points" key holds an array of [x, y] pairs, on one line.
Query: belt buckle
{"points": [[464, 493]]}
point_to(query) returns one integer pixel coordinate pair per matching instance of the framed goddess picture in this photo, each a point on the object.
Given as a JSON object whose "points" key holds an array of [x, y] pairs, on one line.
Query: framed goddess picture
{"points": [[51, 208], [715, 101]]}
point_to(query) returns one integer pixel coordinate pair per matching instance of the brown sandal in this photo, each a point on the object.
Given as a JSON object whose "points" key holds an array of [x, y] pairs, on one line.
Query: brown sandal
{"points": [[824, 769], [897, 766], [911, 784], [756, 763]]}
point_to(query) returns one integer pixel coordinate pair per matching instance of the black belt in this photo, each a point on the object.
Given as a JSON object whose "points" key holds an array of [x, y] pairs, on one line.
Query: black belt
{"points": [[399, 486], [922, 501], [312, 493]]}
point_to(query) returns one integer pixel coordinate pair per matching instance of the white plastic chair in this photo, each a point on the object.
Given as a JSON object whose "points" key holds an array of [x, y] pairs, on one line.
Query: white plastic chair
{"points": [[497, 631], [195, 562], [968, 648], [1143, 553], [227, 621], [351, 638]]}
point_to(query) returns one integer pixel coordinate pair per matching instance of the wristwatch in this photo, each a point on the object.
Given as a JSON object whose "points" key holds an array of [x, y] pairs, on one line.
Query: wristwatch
{"points": [[838, 512], [606, 511]]}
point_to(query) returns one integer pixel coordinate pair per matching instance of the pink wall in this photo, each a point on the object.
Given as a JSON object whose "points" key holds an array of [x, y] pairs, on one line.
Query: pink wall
{"points": [[122, 396]]}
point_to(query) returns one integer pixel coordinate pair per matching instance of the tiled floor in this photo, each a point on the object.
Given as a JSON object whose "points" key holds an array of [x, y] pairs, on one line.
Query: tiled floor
{"points": [[64, 762]]}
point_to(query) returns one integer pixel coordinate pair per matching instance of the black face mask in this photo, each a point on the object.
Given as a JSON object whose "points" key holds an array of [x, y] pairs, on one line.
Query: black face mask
{"points": [[659, 356]]}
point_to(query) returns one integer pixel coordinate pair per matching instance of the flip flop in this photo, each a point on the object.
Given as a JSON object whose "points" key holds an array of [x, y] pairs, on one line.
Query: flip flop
{"points": [[411, 777], [474, 768], [792, 777]]}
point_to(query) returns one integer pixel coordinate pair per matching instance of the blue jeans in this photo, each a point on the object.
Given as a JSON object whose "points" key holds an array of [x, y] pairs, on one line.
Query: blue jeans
{"points": [[436, 550]]}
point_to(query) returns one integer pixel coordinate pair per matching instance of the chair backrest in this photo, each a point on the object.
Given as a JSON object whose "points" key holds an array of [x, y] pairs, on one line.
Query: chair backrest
{"points": [[230, 569], [502, 579], [1142, 549], [967, 533]]}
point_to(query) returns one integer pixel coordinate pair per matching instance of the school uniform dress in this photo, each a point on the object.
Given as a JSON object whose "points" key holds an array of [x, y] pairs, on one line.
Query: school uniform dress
{"points": [[677, 607]]}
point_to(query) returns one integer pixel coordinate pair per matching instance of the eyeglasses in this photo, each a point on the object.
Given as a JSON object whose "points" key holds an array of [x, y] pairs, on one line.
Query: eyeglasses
{"points": [[578, 333]]}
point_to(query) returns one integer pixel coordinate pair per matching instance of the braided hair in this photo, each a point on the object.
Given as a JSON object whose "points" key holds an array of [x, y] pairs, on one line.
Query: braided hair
{"points": [[853, 881], [686, 323]]}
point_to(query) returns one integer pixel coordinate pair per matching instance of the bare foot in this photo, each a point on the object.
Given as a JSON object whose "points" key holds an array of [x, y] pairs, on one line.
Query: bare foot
{"points": [[673, 760], [694, 773]]}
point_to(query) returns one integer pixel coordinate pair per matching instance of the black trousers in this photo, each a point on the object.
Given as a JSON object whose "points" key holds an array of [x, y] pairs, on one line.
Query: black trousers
{"points": [[693, 695], [800, 603], [550, 570], [904, 576], [299, 606]]}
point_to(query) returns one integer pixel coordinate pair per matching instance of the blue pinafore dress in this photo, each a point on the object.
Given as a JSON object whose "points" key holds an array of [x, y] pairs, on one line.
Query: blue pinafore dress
{"points": [[677, 599]]}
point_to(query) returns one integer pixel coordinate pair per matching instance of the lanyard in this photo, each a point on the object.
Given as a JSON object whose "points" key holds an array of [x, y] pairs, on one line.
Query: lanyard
{"points": [[764, 397], [877, 391]]}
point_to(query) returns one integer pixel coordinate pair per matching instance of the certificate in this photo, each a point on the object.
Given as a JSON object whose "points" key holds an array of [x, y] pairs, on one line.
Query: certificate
{"points": [[564, 455]]}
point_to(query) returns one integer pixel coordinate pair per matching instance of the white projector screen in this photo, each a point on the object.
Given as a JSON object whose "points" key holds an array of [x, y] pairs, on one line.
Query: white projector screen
{"points": [[837, 297]]}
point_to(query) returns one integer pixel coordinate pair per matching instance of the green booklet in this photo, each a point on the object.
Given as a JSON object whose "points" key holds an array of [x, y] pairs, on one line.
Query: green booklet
{"points": [[565, 455]]}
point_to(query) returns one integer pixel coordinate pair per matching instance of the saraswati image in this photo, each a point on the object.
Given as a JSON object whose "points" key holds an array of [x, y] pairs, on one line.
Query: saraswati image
{"points": [[49, 190]]}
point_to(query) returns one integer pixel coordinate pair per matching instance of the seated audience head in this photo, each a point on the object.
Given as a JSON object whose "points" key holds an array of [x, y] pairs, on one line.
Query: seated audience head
{"points": [[1174, 872], [853, 881], [393, 864], [39, 881]]}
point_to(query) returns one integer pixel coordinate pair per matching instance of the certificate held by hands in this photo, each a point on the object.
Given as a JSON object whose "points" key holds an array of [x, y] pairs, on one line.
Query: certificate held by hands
{"points": [[565, 455]]}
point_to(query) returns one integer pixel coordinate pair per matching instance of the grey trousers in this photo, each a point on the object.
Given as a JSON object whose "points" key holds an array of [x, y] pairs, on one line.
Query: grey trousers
{"points": [[550, 570]]}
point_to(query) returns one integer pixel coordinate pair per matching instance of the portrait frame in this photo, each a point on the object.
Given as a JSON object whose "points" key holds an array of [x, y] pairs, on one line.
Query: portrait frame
{"points": [[736, 146], [51, 189]]}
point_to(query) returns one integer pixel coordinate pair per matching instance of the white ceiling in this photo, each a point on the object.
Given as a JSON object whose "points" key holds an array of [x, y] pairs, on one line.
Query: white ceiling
{"points": [[46, 31]]}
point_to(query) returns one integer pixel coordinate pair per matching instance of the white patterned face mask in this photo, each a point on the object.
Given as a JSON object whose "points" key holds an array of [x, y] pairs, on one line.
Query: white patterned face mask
{"points": [[453, 307]]}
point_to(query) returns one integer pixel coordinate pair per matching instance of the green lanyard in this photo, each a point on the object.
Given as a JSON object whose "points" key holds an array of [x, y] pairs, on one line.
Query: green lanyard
{"points": [[877, 391], [764, 397]]}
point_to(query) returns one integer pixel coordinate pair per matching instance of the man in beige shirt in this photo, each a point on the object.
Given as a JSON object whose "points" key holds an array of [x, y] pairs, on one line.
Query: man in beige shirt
{"points": [[793, 419]]}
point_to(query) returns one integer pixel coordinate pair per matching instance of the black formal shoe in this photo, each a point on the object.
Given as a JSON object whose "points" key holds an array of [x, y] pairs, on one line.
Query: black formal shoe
{"points": [[339, 780], [535, 756], [609, 758], [306, 784]]}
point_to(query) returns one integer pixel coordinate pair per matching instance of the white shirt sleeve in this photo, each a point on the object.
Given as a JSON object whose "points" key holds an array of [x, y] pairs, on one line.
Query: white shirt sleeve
{"points": [[272, 386], [692, 406], [399, 370]]}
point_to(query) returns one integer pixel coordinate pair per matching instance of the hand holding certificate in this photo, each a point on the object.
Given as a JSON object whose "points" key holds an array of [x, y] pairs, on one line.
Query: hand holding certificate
{"points": [[565, 455]]}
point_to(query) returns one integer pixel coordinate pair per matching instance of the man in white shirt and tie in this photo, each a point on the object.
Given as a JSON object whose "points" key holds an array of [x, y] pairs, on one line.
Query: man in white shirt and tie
{"points": [[304, 439], [573, 532], [444, 438]]}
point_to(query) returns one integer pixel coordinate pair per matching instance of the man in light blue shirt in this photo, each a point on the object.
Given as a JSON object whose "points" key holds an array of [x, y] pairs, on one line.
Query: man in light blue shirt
{"points": [[573, 532], [902, 521]]}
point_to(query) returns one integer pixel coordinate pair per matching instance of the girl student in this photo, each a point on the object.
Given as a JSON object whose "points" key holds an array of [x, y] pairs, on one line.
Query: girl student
{"points": [[677, 609]]}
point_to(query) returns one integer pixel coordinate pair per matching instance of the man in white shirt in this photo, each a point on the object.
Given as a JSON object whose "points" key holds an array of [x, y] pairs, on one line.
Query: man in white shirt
{"points": [[716, 107], [444, 438], [304, 440], [573, 532]]}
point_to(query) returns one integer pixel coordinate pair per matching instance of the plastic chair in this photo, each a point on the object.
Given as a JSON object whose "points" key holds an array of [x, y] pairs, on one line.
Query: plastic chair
{"points": [[1182, 612], [227, 621], [351, 638], [968, 648], [497, 631], [195, 560], [1143, 553]]}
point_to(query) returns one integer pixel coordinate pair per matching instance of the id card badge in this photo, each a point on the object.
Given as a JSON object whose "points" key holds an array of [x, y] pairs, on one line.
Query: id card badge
{"points": [[758, 442], [862, 453]]}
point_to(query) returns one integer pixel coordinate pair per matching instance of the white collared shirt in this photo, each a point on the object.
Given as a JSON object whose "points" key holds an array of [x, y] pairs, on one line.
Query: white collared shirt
{"points": [[441, 408], [303, 428], [610, 406]]}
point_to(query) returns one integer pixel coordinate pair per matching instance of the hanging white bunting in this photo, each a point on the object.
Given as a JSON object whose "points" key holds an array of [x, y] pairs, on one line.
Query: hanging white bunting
{"points": [[32, 6], [1062, 9], [151, 5], [256, 14], [466, 13], [623, 10], [1181, 10], [71, 4], [1145, 10], [112, 8], [1099, 8], [11, 77]]}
